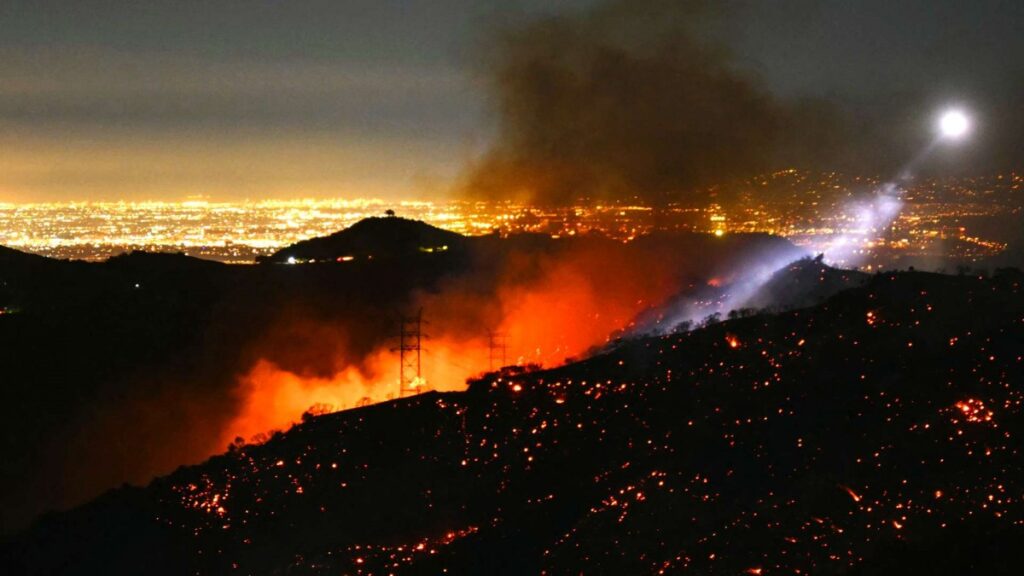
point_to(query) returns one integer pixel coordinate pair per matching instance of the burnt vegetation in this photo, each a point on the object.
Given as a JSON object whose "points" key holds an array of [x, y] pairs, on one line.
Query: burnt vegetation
{"points": [[876, 432]]}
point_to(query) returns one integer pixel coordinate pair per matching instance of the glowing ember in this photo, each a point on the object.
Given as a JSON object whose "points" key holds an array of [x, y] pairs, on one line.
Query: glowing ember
{"points": [[974, 411], [856, 497]]}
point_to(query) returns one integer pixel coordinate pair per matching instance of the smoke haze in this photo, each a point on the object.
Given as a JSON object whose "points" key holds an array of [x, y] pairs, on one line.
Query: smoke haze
{"points": [[648, 100], [621, 102]]}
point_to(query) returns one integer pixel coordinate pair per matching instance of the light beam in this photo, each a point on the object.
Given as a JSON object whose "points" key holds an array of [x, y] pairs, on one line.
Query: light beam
{"points": [[869, 218]]}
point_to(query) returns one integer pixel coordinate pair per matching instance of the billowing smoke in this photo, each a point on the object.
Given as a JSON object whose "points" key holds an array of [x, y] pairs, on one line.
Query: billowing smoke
{"points": [[617, 103], [866, 219], [645, 100], [631, 100]]}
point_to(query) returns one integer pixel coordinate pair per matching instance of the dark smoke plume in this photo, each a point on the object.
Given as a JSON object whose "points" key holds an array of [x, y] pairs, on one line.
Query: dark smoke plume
{"points": [[627, 100], [641, 100]]}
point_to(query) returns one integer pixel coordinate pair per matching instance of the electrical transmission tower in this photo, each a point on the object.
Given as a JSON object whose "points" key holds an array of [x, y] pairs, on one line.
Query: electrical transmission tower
{"points": [[410, 338], [497, 347]]}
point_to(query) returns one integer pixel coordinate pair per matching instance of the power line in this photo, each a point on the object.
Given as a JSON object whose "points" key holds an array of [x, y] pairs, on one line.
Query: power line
{"points": [[497, 349], [410, 340]]}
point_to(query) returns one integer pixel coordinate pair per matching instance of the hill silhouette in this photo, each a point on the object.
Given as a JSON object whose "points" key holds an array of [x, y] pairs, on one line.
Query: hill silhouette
{"points": [[386, 237], [140, 260], [803, 283], [878, 432], [12, 256]]}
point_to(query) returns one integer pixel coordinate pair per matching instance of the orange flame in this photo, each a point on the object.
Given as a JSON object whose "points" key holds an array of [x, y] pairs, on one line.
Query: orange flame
{"points": [[549, 308]]}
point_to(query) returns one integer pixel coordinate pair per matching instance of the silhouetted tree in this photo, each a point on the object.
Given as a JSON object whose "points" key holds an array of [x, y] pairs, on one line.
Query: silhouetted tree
{"points": [[711, 319], [684, 326]]}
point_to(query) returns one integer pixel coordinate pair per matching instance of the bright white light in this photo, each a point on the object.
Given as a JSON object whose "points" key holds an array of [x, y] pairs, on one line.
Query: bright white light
{"points": [[954, 124]]}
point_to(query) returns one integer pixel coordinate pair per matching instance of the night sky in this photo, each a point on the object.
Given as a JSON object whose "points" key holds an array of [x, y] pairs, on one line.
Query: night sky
{"points": [[260, 99]]}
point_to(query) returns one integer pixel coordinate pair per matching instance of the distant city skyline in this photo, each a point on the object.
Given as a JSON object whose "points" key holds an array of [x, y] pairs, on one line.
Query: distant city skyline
{"points": [[953, 221]]}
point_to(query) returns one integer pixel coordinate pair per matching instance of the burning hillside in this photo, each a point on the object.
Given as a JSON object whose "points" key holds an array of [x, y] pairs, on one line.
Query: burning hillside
{"points": [[106, 364], [875, 433], [521, 300]]}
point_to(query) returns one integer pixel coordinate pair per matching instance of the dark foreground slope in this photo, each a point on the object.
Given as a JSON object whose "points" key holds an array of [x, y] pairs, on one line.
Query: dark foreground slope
{"points": [[877, 433]]}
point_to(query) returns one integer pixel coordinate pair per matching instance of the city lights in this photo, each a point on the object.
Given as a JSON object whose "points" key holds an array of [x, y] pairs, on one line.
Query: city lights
{"points": [[839, 215]]}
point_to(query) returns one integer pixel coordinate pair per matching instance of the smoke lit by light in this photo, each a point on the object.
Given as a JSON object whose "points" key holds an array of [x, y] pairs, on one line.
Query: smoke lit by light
{"points": [[868, 221]]}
